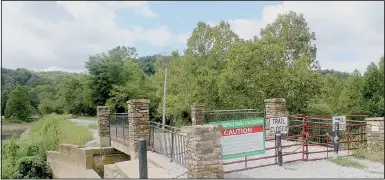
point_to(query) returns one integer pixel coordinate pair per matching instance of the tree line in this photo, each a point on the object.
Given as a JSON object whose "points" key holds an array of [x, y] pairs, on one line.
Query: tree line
{"points": [[217, 69]]}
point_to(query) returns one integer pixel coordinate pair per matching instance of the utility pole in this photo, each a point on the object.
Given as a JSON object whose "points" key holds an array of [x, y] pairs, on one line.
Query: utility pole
{"points": [[164, 93]]}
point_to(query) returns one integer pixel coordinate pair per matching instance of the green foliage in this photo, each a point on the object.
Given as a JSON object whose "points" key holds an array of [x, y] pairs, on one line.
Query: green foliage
{"points": [[18, 107], [26, 157], [373, 90], [319, 109], [106, 70], [32, 167]]}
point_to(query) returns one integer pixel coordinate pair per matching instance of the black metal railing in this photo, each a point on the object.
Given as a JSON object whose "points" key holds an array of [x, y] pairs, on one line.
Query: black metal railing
{"points": [[119, 126], [168, 141]]}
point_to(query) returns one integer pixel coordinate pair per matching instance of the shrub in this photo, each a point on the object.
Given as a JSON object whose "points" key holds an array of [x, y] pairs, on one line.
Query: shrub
{"points": [[32, 167], [26, 158], [319, 109]]}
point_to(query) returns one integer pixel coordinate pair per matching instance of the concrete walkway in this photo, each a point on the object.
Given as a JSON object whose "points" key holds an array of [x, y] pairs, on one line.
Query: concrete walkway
{"points": [[159, 166]]}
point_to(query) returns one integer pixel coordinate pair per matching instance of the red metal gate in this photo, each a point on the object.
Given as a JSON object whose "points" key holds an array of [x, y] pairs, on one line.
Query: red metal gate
{"points": [[319, 140], [309, 139], [292, 144]]}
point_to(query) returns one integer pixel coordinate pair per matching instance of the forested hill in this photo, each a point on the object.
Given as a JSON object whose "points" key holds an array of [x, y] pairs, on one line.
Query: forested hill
{"points": [[217, 69]]}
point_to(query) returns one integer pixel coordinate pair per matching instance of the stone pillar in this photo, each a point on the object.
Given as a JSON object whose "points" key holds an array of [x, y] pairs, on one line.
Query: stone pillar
{"points": [[204, 152], [103, 113], [274, 107], [138, 120], [197, 115], [375, 134]]}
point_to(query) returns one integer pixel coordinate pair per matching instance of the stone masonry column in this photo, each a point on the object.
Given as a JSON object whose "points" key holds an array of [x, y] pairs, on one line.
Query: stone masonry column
{"points": [[204, 152], [138, 120], [375, 134], [103, 113], [274, 107], [197, 115]]}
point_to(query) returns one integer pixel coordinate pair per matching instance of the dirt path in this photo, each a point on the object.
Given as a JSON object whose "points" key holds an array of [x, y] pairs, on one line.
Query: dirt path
{"points": [[95, 134]]}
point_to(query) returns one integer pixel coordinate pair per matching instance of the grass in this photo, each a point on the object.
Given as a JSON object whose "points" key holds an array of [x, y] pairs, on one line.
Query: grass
{"points": [[45, 135], [346, 162], [374, 156], [93, 126]]}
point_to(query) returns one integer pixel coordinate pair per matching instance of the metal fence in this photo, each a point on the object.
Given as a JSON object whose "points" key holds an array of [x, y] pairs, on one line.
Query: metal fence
{"points": [[319, 134], [168, 141], [223, 115], [119, 126]]}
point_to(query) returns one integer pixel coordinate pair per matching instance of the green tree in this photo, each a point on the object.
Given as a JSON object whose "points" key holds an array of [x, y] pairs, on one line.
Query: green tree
{"points": [[18, 106], [373, 90], [331, 91], [106, 70], [292, 29], [302, 85], [137, 86], [351, 99]]}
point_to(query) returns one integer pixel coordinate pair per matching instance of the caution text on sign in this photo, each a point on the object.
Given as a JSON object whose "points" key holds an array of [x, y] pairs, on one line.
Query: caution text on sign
{"points": [[241, 138], [279, 124]]}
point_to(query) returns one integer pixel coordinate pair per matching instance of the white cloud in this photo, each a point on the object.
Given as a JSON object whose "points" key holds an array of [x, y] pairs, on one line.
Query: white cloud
{"points": [[41, 35], [355, 28]]}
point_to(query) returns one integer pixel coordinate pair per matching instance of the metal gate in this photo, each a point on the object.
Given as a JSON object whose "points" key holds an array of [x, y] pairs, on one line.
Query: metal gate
{"points": [[119, 128], [168, 141], [292, 144], [320, 143], [309, 139]]}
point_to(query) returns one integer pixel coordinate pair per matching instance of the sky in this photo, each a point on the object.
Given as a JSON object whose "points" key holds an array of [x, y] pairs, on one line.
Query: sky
{"points": [[60, 35]]}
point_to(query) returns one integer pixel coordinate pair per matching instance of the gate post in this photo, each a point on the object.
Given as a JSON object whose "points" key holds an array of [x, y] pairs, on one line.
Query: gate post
{"points": [[204, 158], [197, 115], [103, 113], [336, 139], [273, 108], [138, 122]]}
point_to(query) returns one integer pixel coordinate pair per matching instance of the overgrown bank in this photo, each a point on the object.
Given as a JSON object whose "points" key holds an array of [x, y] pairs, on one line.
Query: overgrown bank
{"points": [[25, 158]]}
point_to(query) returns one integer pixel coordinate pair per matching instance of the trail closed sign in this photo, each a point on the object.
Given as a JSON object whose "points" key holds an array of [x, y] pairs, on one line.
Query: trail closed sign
{"points": [[341, 121], [279, 124], [241, 138]]}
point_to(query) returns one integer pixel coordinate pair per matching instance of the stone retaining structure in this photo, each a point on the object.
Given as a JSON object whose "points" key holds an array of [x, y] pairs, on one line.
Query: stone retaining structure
{"points": [[73, 161], [274, 107], [375, 134], [103, 113], [204, 152]]}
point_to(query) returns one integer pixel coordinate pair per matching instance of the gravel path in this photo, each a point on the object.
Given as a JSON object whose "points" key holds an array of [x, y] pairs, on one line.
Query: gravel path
{"points": [[95, 133], [311, 169]]}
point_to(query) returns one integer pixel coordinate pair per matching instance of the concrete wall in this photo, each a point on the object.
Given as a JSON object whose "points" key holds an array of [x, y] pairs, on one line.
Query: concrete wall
{"points": [[375, 134], [72, 161]]}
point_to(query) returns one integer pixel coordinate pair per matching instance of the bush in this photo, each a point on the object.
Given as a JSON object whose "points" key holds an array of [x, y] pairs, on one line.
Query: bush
{"points": [[18, 107], [26, 158], [319, 109], [32, 167]]}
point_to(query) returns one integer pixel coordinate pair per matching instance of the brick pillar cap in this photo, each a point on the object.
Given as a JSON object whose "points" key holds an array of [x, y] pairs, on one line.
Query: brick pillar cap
{"points": [[102, 107], [374, 119], [197, 105], [275, 100], [146, 101]]}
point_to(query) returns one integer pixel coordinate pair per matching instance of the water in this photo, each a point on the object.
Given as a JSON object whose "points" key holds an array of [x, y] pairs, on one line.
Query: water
{"points": [[8, 135]]}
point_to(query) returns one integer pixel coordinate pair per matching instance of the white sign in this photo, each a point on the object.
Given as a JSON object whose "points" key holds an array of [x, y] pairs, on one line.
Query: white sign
{"points": [[375, 128], [341, 120], [242, 138], [279, 124]]}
